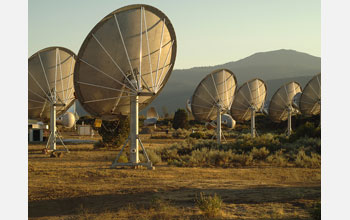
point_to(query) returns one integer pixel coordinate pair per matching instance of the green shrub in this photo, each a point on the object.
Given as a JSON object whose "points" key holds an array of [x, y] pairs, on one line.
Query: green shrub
{"points": [[241, 159], [123, 159], [114, 133], [277, 159], [209, 205], [154, 156], [199, 158], [219, 158], [180, 133], [260, 154], [197, 135], [308, 129], [303, 160]]}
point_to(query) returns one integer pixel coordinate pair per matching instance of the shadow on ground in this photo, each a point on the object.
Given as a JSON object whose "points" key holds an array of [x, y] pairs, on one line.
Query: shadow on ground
{"points": [[183, 197]]}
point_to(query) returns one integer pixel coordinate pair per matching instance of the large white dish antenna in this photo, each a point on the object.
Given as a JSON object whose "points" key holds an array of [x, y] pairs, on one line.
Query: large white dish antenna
{"points": [[249, 98], [129, 53], [50, 86], [213, 96], [50, 80], [281, 105], [310, 99], [123, 64]]}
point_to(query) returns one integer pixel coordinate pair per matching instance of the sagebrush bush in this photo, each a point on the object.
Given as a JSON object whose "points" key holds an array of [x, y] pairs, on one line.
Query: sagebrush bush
{"points": [[199, 158], [243, 151], [308, 129], [209, 205], [277, 159], [303, 160], [180, 133], [260, 154], [241, 159], [154, 156]]}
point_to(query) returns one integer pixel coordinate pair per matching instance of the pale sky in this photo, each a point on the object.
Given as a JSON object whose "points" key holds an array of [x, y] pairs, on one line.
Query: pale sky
{"points": [[208, 32]]}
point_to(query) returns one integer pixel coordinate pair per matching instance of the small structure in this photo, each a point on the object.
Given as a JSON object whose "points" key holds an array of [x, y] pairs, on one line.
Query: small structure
{"points": [[84, 129], [36, 132]]}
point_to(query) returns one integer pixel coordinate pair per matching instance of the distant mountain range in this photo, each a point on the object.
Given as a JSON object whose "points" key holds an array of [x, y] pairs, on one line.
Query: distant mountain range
{"points": [[274, 67]]}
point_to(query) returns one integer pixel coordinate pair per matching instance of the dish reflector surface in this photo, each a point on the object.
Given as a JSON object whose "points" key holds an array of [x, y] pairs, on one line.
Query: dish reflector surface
{"points": [[310, 99], [215, 90], [152, 113], [282, 100], [251, 94], [129, 52], [50, 80]]}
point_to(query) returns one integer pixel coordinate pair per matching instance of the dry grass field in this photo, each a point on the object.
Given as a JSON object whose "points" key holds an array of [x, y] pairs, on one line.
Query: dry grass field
{"points": [[81, 185]]}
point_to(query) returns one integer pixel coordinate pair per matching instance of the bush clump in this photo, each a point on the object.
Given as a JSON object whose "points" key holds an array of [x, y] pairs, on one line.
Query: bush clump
{"points": [[306, 130], [181, 133], [277, 159], [303, 160], [154, 156], [180, 119], [114, 133], [209, 205], [260, 154]]}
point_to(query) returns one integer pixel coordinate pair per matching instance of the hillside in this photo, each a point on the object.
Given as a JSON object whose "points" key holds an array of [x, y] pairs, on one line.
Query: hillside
{"points": [[274, 67]]}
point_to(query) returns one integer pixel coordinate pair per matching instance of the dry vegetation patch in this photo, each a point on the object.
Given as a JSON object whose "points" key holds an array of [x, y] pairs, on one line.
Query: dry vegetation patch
{"points": [[80, 185]]}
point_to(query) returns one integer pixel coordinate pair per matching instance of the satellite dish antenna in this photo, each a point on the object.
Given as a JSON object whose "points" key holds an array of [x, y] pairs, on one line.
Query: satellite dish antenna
{"points": [[188, 105], [249, 98], [50, 87], [151, 117], [265, 108], [296, 100], [281, 105], [122, 66], [310, 99], [226, 121], [213, 96]]}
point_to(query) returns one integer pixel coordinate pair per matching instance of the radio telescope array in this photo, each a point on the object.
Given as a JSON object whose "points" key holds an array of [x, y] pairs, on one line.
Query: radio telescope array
{"points": [[281, 105], [249, 98], [310, 99], [122, 65], [50, 87], [213, 97]]}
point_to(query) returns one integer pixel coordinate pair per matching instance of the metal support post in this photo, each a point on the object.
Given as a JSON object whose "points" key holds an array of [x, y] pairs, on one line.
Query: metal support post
{"points": [[289, 131], [218, 126], [134, 140], [252, 122], [53, 127], [134, 129]]}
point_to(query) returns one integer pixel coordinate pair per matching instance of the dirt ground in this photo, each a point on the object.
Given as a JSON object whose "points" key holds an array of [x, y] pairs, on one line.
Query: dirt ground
{"points": [[81, 185]]}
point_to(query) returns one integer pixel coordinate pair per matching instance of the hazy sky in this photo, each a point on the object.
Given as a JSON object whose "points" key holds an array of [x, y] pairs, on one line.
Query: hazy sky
{"points": [[208, 32]]}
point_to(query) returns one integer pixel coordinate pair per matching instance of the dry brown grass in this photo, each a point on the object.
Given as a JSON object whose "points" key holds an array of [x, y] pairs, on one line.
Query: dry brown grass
{"points": [[80, 185]]}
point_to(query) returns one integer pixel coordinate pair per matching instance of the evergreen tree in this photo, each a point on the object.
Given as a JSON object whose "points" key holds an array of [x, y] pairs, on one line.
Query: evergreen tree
{"points": [[180, 119]]}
